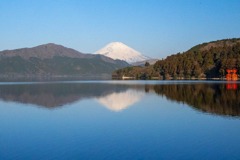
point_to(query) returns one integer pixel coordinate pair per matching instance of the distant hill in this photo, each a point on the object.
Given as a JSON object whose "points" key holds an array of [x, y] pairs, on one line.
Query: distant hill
{"points": [[55, 60], [207, 60]]}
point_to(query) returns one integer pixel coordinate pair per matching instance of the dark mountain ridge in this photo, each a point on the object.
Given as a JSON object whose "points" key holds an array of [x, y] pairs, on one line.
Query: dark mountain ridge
{"points": [[55, 60], [44, 51]]}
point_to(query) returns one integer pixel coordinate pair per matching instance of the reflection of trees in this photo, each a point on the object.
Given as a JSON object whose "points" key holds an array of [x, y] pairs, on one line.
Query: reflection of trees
{"points": [[212, 98]]}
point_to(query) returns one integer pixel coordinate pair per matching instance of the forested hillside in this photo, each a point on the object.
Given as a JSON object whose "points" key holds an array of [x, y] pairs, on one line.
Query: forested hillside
{"points": [[207, 60]]}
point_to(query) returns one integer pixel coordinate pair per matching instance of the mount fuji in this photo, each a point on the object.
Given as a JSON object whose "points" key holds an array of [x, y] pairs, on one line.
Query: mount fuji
{"points": [[118, 50]]}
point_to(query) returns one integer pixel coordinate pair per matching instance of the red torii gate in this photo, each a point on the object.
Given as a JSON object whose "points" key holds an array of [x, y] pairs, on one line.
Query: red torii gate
{"points": [[232, 74]]}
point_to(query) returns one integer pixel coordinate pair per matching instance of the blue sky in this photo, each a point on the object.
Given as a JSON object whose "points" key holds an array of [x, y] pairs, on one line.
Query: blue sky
{"points": [[156, 28]]}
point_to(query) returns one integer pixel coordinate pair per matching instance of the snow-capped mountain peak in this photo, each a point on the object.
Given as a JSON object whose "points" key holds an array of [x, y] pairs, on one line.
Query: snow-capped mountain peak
{"points": [[118, 50]]}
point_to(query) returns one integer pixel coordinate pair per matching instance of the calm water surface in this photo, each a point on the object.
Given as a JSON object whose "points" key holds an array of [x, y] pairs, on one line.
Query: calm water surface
{"points": [[120, 120]]}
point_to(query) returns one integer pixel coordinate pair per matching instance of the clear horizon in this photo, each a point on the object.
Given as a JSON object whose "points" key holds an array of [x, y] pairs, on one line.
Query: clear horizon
{"points": [[156, 28]]}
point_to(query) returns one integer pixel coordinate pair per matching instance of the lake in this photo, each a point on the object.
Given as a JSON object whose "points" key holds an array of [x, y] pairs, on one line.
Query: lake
{"points": [[120, 120]]}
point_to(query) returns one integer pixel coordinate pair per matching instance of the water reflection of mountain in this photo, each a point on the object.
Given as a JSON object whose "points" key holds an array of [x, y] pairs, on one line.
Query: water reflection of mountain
{"points": [[58, 94], [211, 98], [119, 101], [55, 95], [208, 97]]}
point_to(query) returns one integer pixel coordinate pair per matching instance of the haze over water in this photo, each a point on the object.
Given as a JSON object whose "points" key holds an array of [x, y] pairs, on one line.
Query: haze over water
{"points": [[120, 120]]}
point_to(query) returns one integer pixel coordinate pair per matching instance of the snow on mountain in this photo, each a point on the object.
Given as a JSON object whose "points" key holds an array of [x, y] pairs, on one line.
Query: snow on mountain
{"points": [[118, 50]]}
